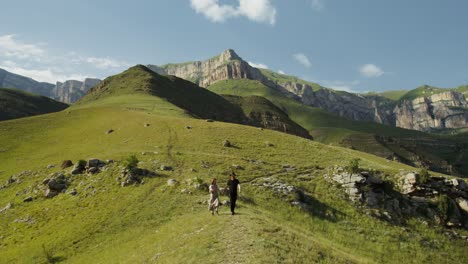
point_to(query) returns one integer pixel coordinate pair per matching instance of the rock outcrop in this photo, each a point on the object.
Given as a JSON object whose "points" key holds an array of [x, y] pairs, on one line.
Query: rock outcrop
{"points": [[438, 111], [70, 91], [227, 65], [67, 92], [440, 200]]}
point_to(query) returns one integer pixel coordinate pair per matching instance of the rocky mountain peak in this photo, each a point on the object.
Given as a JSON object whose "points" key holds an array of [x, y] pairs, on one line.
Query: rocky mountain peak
{"points": [[229, 55]]}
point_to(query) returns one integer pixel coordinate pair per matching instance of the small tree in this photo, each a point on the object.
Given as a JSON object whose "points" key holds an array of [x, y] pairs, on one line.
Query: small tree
{"points": [[353, 166], [131, 162], [424, 176]]}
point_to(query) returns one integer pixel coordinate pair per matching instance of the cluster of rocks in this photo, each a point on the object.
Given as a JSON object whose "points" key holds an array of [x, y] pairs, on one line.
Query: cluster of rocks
{"points": [[414, 196], [15, 179], [91, 166], [361, 186], [56, 183], [284, 190], [133, 176]]}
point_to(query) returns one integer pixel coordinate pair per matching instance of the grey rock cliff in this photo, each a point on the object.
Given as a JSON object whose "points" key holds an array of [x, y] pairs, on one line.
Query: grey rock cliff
{"points": [[70, 91], [447, 110], [438, 111], [67, 92]]}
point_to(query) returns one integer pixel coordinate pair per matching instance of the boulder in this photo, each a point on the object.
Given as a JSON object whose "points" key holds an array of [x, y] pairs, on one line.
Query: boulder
{"points": [[50, 193], [172, 182], [50, 166], [227, 143], [109, 131], [463, 204], [93, 170], [408, 183], [66, 164], [94, 163], [28, 199], [146, 125], [73, 192]]}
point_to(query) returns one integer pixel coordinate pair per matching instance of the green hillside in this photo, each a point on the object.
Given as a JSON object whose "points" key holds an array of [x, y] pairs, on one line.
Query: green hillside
{"points": [[16, 103], [408, 146], [284, 78], [262, 113], [422, 91], [181, 93], [152, 222]]}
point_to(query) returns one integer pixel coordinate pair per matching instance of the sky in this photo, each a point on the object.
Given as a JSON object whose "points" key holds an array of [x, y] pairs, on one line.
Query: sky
{"points": [[352, 45]]}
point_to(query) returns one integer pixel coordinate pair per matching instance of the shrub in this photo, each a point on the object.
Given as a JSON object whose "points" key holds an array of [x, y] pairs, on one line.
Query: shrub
{"points": [[81, 163], [353, 166], [131, 162], [424, 176], [443, 205]]}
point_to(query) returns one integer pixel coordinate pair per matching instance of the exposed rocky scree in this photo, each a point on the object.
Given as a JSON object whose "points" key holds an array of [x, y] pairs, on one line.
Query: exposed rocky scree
{"points": [[439, 111]]}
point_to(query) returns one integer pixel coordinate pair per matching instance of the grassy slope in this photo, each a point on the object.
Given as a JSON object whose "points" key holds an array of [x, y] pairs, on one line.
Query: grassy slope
{"points": [[16, 103], [328, 128], [153, 223], [184, 94], [263, 113], [284, 78]]}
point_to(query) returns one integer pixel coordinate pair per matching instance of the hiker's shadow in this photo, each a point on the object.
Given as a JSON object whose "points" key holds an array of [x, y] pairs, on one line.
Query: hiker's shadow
{"points": [[316, 208]]}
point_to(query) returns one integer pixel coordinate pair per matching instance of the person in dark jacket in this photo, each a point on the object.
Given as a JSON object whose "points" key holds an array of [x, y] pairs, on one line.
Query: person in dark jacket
{"points": [[234, 188]]}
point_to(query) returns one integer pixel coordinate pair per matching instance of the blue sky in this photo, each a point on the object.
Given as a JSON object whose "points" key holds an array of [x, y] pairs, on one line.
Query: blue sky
{"points": [[357, 45]]}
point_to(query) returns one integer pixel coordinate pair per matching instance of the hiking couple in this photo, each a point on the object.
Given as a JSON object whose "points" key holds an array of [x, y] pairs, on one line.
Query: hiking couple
{"points": [[234, 187]]}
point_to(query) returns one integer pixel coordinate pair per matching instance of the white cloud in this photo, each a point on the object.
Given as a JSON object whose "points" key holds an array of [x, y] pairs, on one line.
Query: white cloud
{"points": [[256, 10], [281, 72], [42, 75], [371, 70], [302, 59], [10, 47], [318, 5], [42, 64], [258, 65], [106, 63]]}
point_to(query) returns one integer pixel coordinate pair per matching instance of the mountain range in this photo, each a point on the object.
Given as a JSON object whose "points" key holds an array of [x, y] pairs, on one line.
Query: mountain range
{"points": [[67, 92], [369, 122], [426, 108], [122, 175]]}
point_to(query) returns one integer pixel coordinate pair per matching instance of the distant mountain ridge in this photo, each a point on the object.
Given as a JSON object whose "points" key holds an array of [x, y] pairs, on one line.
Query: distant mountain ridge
{"points": [[409, 111], [67, 92]]}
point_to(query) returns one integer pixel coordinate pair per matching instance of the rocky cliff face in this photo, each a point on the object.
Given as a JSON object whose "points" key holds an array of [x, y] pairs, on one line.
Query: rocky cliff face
{"points": [[70, 91], [67, 92], [439, 111], [227, 65]]}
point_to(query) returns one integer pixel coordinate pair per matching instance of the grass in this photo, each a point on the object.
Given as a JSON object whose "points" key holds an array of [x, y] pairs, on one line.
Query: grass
{"points": [[284, 78], [363, 136], [154, 223], [15, 103]]}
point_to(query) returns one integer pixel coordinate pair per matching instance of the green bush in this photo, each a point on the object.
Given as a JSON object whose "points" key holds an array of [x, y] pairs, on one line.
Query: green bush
{"points": [[424, 176], [81, 163], [353, 166], [443, 205], [131, 162]]}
